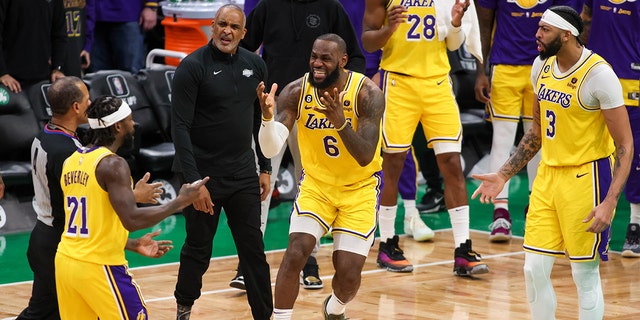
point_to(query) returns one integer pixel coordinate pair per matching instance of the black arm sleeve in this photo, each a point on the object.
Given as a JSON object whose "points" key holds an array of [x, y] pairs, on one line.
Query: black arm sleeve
{"points": [[255, 26], [4, 7], [58, 36], [184, 94]]}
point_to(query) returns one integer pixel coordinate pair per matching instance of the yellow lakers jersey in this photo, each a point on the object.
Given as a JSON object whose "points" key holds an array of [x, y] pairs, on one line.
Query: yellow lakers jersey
{"points": [[93, 231], [572, 133], [414, 49], [322, 152]]}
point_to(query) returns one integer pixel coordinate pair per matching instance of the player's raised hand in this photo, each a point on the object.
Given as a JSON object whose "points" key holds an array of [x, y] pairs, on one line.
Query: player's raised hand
{"points": [[395, 16], [267, 100], [457, 12], [332, 102]]}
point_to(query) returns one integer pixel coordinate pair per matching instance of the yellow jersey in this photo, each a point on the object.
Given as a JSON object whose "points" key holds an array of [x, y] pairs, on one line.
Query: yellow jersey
{"points": [[572, 133], [414, 49], [322, 152], [93, 231]]}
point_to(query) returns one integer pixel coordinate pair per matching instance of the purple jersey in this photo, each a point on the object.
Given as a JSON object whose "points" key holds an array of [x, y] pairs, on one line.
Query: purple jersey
{"points": [[355, 10], [516, 24], [615, 34]]}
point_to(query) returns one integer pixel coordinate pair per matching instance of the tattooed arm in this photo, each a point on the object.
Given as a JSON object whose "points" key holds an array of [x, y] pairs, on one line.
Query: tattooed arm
{"points": [[362, 141]]}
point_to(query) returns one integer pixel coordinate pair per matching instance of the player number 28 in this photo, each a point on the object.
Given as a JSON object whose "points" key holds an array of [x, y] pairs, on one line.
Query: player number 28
{"points": [[428, 27]]}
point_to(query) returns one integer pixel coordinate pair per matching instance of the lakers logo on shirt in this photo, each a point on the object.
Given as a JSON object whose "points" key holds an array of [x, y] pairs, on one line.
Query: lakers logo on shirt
{"points": [[526, 4]]}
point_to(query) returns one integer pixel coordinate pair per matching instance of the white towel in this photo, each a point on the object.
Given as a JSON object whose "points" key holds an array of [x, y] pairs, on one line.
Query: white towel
{"points": [[470, 25]]}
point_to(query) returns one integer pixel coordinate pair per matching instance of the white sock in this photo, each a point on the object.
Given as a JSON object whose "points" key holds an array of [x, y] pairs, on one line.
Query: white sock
{"points": [[501, 204], [282, 314], [409, 205], [459, 218], [335, 306], [386, 222], [635, 213]]}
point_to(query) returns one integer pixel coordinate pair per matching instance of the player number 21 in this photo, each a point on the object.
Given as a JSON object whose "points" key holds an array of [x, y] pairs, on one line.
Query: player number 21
{"points": [[428, 27], [77, 215]]}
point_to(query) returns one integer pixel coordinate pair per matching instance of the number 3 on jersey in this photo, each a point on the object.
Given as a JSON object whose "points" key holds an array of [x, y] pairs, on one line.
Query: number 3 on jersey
{"points": [[427, 24], [77, 217]]}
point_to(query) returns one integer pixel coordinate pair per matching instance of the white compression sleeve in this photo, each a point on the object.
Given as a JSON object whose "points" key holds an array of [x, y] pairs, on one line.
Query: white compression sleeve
{"points": [[272, 136], [540, 293]]}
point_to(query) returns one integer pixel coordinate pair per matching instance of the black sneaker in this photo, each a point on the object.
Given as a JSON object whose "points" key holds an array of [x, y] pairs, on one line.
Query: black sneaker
{"points": [[468, 262], [432, 201], [238, 281], [309, 277], [391, 257], [183, 312]]}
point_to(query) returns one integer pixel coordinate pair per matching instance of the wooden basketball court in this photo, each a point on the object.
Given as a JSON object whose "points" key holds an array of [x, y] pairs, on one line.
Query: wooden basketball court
{"points": [[429, 292]]}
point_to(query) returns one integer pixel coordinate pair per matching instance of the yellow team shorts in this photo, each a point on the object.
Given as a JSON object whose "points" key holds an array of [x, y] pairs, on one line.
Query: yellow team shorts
{"points": [[410, 101], [511, 93], [561, 198], [90, 291], [345, 209]]}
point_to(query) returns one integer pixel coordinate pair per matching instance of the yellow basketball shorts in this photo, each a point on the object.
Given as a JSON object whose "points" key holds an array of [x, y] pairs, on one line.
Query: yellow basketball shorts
{"points": [[410, 101], [90, 291], [511, 93], [561, 198], [347, 209]]}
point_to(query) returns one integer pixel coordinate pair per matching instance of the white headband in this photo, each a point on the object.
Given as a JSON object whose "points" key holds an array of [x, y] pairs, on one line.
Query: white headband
{"points": [[107, 121], [557, 21]]}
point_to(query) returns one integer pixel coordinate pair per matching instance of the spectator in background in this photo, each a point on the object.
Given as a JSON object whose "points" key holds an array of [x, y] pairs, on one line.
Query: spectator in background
{"points": [[615, 37], [69, 100], [32, 42], [119, 33], [1, 188], [509, 95], [286, 30], [80, 21]]}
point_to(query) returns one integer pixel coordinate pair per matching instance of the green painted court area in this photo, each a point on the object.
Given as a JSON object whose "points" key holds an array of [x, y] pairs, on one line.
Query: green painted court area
{"points": [[15, 268]]}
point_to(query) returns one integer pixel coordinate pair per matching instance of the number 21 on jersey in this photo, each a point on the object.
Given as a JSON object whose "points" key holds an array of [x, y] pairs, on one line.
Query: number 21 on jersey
{"points": [[77, 208]]}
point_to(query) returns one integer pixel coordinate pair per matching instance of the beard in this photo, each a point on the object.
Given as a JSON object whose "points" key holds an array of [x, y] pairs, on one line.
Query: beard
{"points": [[327, 82], [128, 143], [551, 49]]}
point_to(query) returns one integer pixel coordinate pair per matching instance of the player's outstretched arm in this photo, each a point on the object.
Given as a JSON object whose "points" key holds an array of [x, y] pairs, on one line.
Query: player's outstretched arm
{"points": [[114, 176], [149, 247]]}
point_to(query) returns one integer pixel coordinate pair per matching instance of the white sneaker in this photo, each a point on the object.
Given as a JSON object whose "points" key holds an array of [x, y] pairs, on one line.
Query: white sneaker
{"points": [[414, 226]]}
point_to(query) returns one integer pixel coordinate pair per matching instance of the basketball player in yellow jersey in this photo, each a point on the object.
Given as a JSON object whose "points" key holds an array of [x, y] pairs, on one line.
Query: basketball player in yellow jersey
{"points": [[578, 116], [414, 37], [92, 278], [338, 114]]}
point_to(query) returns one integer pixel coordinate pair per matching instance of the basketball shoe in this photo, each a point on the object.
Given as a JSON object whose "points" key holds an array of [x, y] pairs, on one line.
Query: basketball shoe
{"points": [[467, 262], [501, 226], [309, 277], [331, 316], [391, 257], [631, 247], [238, 281], [431, 202], [414, 226], [183, 312]]}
